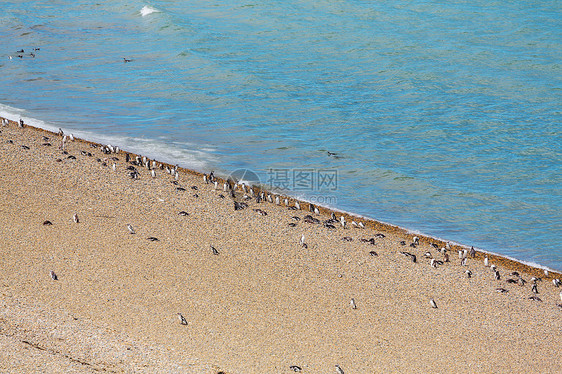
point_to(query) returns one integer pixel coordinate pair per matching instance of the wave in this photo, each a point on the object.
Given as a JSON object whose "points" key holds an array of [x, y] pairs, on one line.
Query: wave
{"points": [[184, 154], [147, 9]]}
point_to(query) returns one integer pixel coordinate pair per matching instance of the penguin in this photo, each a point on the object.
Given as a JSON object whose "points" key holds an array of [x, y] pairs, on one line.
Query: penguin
{"points": [[214, 250], [182, 319]]}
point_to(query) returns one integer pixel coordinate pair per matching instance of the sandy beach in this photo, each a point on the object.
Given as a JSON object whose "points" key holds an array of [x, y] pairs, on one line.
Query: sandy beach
{"points": [[261, 303]]}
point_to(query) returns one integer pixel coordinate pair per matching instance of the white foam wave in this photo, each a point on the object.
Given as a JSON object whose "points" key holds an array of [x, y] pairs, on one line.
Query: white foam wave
{"points": [[15, 114], [183, 154], [147, 9]]}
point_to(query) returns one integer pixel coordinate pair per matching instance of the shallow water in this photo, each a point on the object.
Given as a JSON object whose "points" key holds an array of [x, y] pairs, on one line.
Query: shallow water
{"points": [[445, 118]]}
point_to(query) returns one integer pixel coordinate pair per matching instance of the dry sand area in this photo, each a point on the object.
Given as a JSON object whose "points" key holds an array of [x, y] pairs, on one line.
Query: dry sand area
{"points": [[262, 303]]}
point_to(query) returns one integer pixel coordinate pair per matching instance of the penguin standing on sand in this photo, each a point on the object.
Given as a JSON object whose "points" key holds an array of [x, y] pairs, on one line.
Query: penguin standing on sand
{"points": [[182, 319]]}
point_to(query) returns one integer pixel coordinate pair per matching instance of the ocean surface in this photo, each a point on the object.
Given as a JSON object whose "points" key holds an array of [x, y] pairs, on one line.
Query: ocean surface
{"points": [[443, 117]]}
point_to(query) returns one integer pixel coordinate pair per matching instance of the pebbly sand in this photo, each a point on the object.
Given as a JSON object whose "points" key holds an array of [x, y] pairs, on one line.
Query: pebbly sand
{"points": [[263, 304]]}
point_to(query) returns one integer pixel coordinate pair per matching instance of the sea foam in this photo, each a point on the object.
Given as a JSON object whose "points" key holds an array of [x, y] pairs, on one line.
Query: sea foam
{"points": [[147, 9], [183, 154]]}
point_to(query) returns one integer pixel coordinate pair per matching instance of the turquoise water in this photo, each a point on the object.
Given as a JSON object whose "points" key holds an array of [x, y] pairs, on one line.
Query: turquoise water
{"points": [[444, 117]]}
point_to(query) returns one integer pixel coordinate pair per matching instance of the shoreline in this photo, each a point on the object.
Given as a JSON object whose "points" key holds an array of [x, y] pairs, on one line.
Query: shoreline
{"points": [[263, 289], [507, 261]]}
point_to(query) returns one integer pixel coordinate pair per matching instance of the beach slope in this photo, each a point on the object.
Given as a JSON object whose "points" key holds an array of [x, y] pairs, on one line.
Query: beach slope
{"points": [[263, 289]]}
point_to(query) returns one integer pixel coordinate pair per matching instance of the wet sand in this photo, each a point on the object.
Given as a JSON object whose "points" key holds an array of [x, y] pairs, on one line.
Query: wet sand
{"points": [[264, 303]]}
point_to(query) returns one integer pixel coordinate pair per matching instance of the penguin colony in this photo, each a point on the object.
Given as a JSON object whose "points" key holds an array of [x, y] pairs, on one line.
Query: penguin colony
{"points": [[430, 253]]}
